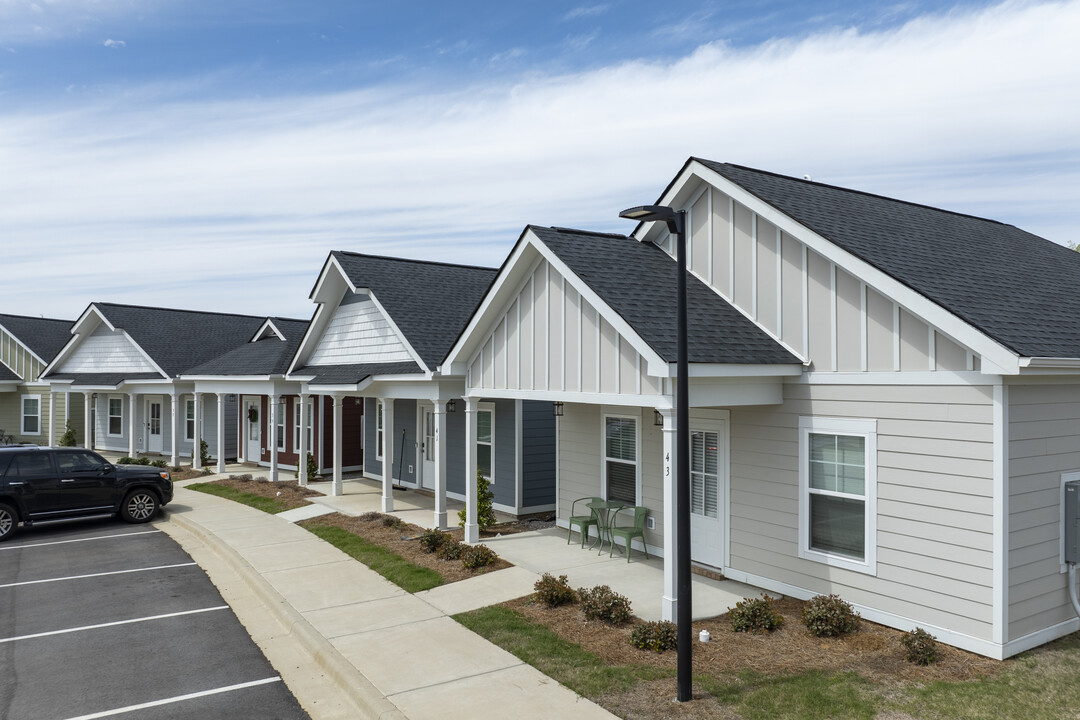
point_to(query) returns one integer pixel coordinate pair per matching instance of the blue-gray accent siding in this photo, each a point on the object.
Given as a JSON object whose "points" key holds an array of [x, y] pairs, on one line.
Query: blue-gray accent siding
{"points": [[405, 420], [232, 416], [455, 451], [538, 453], [372, 463], [505, 487]]}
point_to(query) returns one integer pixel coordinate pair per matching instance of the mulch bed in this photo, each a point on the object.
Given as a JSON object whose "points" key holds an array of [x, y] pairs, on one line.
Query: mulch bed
{"points": [[402, 539]]}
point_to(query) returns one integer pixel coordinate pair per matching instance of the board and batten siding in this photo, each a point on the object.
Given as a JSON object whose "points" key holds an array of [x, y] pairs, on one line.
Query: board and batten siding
{"points": [[934, 499], [803, 299], [552, 339], [358, 333], [106, 351], [18, 357], [1044, 442]]}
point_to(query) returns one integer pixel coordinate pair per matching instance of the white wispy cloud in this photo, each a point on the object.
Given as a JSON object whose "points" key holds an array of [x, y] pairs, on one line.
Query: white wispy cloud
{"points": [[583, 11], [114, 43], [234, 204]]}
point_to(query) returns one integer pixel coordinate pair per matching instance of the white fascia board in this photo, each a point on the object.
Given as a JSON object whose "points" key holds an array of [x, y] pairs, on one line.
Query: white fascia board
{"points": [[660, 402], [78, 331], [397, 332], [721, 370], [331, 263], [23, 345], [456, 362], [268, 324], [935, 377], [1050, 363], [1000, 357], [335, 389], [10, 384], [303, 350], [230, 378]]}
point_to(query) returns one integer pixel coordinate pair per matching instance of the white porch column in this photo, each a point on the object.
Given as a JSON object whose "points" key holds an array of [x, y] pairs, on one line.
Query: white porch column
{"points": [[175, 459], [221, 433], [472, 528], [196, 441], [301, 460], [52, 418], [388, 456], [669, 600], [88, 401], [440, 465], [273, 400], [336, 486], [131, 424]]}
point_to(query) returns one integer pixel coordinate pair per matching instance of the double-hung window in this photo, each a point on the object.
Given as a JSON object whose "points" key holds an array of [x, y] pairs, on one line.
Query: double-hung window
{"points": [[31, 414], [620, 459], [485, 441], [281, 406], [189, 419], [838, 492], [116, 417], [309, 410], [378, 429]]}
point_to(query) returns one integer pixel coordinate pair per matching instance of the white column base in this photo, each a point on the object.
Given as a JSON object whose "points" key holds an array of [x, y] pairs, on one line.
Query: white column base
{"points": [[472, 533], [669, 608], [387, 504], [440, 521]]}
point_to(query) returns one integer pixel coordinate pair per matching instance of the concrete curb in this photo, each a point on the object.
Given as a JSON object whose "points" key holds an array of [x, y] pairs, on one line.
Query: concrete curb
{"points": [[356, 690]]}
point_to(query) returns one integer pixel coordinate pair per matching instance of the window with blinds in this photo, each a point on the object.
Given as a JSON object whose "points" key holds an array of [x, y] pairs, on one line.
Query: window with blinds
{"points": [[484, 443], [704, 480], [620, 459]]}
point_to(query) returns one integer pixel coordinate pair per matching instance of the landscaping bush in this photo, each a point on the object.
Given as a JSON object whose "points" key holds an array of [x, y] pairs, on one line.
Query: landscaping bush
{"points": [[141, 461], [371, 516], [433, 539], [553, 591], [68, 438], [160, 463], [604, 604], [829, 616], [124, 461], [312, 468], [485, 511], [246, 477], [921, 646], [477, 556], [655, 636], [391, 521], [755, 615], [204, 453], [450, 550]]}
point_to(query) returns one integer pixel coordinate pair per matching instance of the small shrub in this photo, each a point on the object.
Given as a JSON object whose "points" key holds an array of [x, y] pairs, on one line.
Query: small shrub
{"points": [[829, 616], [655, 636], [433, 539], [68, 438], [204, 453], [160, 463], [604, 604], [755, 615], [371, 516], [921, 646], [175, 469], [485, 511], [477, 556], [142, 461], [553, 591], [124, 461], [312, 468], [246, 477], [392, 522], [450, 550]]}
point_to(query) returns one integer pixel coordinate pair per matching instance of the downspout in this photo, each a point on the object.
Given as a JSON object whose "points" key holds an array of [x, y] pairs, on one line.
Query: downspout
{"points": [[1072, 588]]}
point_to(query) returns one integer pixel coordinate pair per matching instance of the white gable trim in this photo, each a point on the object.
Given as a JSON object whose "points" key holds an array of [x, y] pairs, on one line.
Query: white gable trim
{"points": [[267, 329], [23, 345], [303, 350], [996, 357], [80, 334], [397, 331]]}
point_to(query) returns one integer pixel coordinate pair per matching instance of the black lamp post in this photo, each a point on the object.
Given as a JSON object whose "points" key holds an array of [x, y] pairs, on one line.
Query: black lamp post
{"points": [[676, 224]]}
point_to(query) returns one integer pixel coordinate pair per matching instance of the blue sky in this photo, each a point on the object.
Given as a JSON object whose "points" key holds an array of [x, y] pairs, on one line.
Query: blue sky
{"points": [[210, 155]]}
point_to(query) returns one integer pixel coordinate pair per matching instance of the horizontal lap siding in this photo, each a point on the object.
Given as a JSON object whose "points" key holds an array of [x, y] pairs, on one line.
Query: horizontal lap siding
{"points": [[1044, 442], [579, 460], [935, 509]]}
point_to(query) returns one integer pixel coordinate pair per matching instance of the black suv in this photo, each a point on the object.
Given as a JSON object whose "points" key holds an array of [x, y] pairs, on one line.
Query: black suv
{"points": [[40, 483]]}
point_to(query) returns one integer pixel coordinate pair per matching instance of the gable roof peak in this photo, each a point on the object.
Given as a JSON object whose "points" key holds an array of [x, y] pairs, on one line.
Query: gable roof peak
{"points": [[390, 258]]}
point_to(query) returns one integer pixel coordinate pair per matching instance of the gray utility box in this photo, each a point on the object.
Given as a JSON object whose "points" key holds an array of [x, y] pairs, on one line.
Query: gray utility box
{"points": [[1072, 522]]}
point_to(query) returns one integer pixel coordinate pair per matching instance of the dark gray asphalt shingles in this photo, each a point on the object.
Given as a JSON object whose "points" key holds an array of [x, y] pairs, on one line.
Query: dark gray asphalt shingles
{"points": [[1013, 286], [44, 336], [268, 356], [639, 281], [353, 374]]}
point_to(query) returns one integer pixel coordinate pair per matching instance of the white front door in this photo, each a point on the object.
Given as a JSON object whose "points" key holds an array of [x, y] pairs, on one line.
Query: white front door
{"points": [[708, 480], [154, 442], [427, 446], [252, 429]]}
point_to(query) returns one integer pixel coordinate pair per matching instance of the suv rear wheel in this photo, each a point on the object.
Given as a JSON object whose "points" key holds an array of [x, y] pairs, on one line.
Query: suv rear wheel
{"points": [[9, 520], [139, 506]]}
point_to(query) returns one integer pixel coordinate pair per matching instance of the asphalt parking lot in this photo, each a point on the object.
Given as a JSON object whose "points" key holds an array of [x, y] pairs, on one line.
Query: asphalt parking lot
{"points": [[101, 619]]}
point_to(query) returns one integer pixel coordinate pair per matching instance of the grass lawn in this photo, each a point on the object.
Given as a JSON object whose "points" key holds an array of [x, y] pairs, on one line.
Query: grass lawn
{"points": [[1039, 685], [406, 575], [259, 502]]}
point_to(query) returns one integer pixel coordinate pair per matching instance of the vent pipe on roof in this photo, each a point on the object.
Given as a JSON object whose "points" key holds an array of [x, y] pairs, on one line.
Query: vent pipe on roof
{"points": [[807, 178]]}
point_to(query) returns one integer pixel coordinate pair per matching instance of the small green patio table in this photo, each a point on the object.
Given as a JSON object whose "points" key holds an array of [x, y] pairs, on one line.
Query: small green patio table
{"points": [[604, 510]]}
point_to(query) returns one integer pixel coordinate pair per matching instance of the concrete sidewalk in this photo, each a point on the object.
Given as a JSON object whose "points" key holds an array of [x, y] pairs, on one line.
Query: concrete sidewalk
{"points": [[350, 644]]}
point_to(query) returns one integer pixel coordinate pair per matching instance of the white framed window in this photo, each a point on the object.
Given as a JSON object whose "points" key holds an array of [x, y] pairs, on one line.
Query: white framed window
{"points": [[621, 458], [296, 428], [189, 419], [116, 417], [31, 414], [838, 492], [281, 409], [309, 430], [378, 429], [485, 440]]}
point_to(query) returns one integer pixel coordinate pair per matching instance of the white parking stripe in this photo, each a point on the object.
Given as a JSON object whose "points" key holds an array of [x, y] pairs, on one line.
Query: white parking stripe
{"points": [[178, 698], [63, 542], [94, 575], [111, 624]]}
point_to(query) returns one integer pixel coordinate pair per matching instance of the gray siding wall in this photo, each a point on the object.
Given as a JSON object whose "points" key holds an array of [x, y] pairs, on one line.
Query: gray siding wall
{"points": [[935, 499], [404, 469], [505, 487], [372, 463], [455, 458], [1044, 442], [538, 453]]}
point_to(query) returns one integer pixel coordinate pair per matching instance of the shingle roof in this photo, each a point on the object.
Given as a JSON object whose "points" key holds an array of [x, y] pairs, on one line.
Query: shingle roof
{"points": [[1015, 287], [353, 374], [7, 375], [639, 281], [103, 379], [268, 356], [181, 339], [429, 302], [44, 336]]}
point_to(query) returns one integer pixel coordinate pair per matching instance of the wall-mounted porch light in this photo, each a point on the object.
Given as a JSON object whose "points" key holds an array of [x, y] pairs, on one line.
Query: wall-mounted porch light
{"points": [[557, 409], [451, 405], [358, 401], [657, 418]]}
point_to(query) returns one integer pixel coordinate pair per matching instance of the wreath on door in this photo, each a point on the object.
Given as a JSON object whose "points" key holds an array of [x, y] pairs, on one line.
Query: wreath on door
{"points": [[253, 415]]}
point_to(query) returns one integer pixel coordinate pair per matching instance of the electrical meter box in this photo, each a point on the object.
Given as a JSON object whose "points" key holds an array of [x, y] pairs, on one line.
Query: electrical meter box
{"points": [[1072, 522]]}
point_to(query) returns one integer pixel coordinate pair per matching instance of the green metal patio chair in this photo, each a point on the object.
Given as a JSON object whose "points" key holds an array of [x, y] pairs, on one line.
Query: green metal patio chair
{"points": [[629, 532], [582, 521]]}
